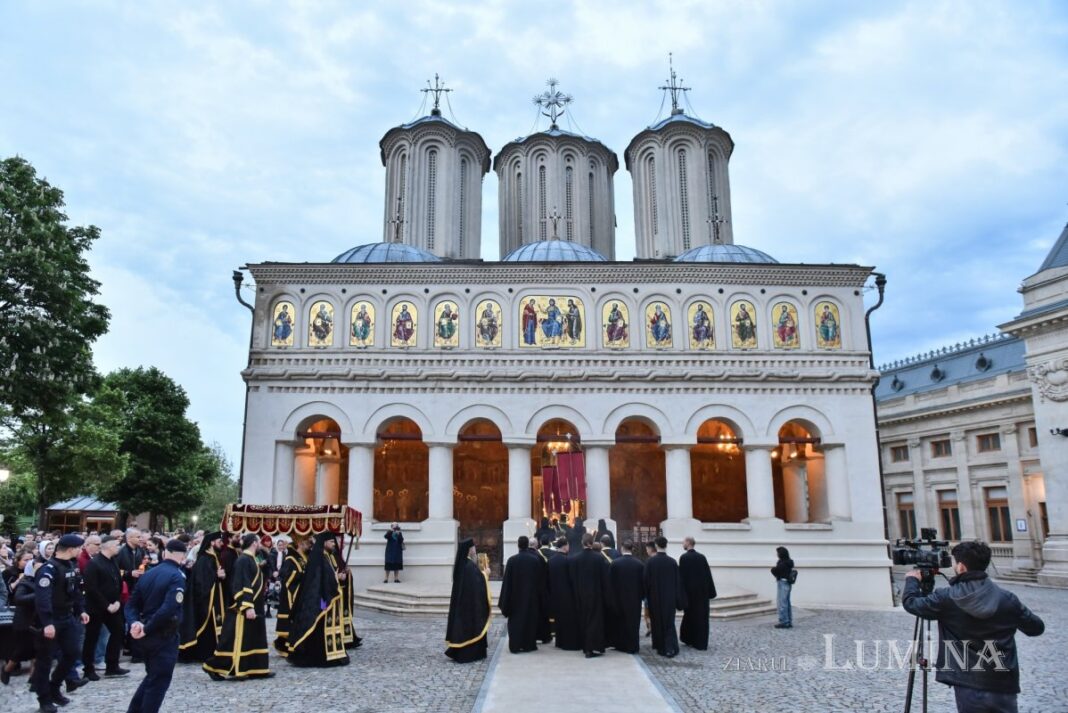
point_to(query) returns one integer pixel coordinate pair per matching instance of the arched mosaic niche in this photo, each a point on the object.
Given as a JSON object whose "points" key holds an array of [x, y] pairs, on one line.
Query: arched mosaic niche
{"points": [[321, 324], [615, 325], [446, 324], [488, 325], [404, 323], [658, 325], [828, 325], [700, 326], [283, 328], [743, 325], [785, 331], [552, 321], [362, 325]]}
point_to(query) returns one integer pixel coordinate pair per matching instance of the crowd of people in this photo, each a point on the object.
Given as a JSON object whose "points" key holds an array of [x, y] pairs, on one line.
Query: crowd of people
{"points": [[72, 605]]}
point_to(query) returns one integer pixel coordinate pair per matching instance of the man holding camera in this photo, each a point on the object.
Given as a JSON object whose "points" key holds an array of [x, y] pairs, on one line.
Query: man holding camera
{"points": [[977, 624]]}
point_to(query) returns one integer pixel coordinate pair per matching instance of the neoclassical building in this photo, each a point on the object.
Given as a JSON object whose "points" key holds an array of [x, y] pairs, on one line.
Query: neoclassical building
{"points": [[709, 392]]}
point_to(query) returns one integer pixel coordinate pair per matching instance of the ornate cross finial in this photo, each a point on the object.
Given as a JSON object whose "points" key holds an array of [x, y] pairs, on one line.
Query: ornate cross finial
{"points": [[554, 101], [437, 89], [714, 221], [674, 86], [397, 221], [554, 219]]}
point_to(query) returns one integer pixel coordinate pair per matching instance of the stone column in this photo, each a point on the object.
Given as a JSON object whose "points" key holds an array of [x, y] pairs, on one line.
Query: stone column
{"points": [[440, 506], [598, 488], [304, 477], [759, 488], [795, 490], [362, 481], [282, 491], [1021, 541], [519, 482], [969, 528], [679, 483], [836, 475], [921, 507], [328, 481]]}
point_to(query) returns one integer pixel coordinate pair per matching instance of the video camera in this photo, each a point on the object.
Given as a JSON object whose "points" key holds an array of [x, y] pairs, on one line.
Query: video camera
{"points": [[926, 554]]}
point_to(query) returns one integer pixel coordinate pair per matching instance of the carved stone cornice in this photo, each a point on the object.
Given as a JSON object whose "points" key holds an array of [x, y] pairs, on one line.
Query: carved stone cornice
{"points": [[544, 276], [1051, 378]]}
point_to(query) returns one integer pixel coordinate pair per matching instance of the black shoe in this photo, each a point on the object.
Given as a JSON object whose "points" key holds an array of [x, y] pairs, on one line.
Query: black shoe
{"points": [[46, 707], [216, 677], [784, 626], [91, 675], [73, 686], [57, 695], [136, 659], [117, 671], [592, 654], [5, 676], [672, 654]]}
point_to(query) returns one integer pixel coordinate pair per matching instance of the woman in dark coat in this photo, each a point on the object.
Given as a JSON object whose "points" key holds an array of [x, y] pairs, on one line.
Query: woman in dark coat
{"points": [[23, 641], [469, 608], [394, 552]]}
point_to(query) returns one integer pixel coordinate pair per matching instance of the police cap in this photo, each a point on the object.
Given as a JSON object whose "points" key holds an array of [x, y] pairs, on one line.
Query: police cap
{"points": [[68, 542]]}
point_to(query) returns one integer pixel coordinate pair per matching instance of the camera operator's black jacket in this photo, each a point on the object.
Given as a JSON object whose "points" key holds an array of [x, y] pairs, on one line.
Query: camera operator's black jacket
{"points": [[971, 611]]}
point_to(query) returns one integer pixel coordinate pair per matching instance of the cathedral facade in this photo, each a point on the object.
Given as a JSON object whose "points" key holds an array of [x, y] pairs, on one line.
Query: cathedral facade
{"points": [[703, 389]]}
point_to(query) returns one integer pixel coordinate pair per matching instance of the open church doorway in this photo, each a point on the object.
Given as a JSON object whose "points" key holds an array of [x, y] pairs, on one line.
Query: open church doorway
{"points": [[321, 465], [638, 482], [402, 473], [558, 472], [480, 488]]}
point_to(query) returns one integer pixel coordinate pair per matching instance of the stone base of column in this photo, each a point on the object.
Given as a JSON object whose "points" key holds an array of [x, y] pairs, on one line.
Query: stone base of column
{"points": [[1054, 572], [511, 532]]}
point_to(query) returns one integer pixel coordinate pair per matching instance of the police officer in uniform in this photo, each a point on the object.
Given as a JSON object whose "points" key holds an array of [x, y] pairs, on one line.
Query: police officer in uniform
{"points": [[58, 600], [154, 614]]}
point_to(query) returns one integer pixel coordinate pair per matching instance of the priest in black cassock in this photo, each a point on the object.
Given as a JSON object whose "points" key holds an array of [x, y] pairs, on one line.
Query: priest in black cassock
{"points": [[665, 594], [522, 597], [627, 576], [316, 621], [344, 578], [203, 607], [592, 590], [290, 576], [562, 607], [469, 608], [545, 624], [228, 553], [700, 590], [242, 649]]}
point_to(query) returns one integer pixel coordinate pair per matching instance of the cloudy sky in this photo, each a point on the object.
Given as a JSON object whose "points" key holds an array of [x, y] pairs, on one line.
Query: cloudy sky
{"points": [[927, 139]]}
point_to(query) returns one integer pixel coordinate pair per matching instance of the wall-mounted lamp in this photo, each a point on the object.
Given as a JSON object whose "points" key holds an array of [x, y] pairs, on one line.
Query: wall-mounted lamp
{"points": [[1059, 432]]}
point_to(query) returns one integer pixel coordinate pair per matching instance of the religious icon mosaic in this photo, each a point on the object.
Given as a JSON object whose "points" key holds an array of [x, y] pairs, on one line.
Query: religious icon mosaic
{"points": [[701, 326], [743, 325], [321, 324], [828, 326], [615, 321], [488, 325], [658, 326], [784, 333], [282, 325], [552, 321], [403, 324], [446, 325], [362, 333]]}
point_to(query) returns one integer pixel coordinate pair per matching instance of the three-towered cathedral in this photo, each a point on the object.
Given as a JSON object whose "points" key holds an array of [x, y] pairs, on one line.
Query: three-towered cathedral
{"points": [[703, 389]]}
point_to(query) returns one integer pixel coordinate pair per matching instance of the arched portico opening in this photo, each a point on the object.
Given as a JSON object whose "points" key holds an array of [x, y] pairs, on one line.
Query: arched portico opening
{"points": [[321, 464], [558, 472], [636, 476], [402, 468], [798, 474], [717, 468], [480, 486]]}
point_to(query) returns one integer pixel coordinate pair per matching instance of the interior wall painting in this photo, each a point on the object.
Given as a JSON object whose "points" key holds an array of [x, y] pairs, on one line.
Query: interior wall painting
{"points": [[488, 326], [743, 325], [282, 331], [446, 325], [701, 326], [321, 324], [784, 326], [362, 332], [404, 323], [615, 325], [552, 322], [828, 326], [658, 325]]}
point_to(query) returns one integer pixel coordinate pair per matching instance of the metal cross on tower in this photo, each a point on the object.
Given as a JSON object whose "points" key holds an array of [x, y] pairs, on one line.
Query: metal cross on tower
{"points": [[674, 86], [437, 89], [714, 221], [397, 222], [554, 101], [554, 219]]}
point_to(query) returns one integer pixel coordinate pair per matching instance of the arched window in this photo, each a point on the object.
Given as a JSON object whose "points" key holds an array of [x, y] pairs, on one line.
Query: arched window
{"points": [[431, 196], [402, 187], [569, 202], [650, 170], [589, 200], [519, 205], [463, 203], [684, 200], [542, 213], [712, 184]]}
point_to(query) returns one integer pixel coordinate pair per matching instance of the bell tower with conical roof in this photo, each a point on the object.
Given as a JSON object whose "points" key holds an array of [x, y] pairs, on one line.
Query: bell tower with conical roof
{"points": [[434, 172], [682, 194]]}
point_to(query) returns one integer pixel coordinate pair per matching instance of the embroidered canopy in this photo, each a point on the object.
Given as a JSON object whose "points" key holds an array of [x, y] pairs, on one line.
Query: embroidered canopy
{"points": [[302, 520]]}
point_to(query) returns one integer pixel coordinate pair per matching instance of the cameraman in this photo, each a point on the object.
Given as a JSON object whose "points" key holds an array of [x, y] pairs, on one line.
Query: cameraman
{"points": [[978, 620]]}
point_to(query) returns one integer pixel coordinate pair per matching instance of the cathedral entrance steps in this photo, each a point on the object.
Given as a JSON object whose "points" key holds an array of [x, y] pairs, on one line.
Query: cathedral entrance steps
{"points": [[739, 604], [1023, 575]]}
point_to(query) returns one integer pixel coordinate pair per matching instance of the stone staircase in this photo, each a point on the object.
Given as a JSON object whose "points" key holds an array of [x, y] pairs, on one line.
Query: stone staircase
{"points": [[406, 599], [1023, 575]]}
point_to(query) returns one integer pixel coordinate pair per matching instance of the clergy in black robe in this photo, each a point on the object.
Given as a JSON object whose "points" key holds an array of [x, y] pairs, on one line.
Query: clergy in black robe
{"points": [[290, 576], [608, 547], [316, 622], [697, 582], [627, 576], [469, 608], [203, 608], [228, 554], [242, 648], [592, 590], [562, 606], [574, 536], [522, 599], [665, 594], [602, 533], [344, 578]]}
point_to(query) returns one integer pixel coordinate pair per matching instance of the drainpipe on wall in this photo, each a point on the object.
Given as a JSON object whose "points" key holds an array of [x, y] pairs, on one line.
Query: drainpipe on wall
{"points": [[238, 278], [880, 285]]}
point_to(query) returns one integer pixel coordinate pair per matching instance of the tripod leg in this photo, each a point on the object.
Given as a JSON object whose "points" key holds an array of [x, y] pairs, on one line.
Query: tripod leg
{"points": [[912, 667]]}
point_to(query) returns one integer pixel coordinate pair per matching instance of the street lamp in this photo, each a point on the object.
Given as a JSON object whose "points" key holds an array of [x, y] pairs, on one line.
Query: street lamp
{"points": [[195, 518]]}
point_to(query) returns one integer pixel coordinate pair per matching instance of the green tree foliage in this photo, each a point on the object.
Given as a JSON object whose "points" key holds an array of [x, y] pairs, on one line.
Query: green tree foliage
{"points": [[169, 468], [221, 491], [18, 495], [48, 319]]}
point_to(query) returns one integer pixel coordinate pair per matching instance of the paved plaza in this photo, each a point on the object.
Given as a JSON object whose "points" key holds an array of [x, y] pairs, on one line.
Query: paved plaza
{"points": [[750, 666]]}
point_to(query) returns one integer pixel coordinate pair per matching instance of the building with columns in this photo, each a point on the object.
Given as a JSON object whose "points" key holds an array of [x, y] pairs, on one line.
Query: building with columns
{"points": [[713, 393]]}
